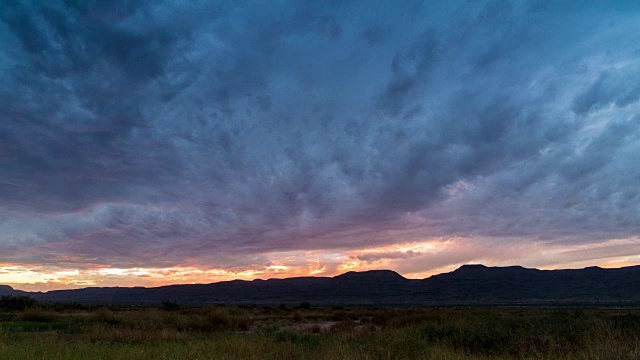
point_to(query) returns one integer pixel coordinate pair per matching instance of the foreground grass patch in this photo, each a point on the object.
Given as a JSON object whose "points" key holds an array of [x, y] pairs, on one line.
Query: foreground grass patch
{"points": [[276, 333]]}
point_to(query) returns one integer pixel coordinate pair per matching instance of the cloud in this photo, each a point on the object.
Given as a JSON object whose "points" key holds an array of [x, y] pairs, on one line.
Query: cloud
{"points": [[372, 257], [157, 134]]}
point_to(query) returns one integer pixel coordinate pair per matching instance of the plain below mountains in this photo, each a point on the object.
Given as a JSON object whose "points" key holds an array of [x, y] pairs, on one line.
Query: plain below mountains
{"points": [[468, 285]]}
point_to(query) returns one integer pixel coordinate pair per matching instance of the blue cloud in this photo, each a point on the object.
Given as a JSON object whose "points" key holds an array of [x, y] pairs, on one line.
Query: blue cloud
{"points": [[202, 129]]}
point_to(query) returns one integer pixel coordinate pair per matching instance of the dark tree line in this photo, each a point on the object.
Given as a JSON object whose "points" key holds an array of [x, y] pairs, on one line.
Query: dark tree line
{"points": [[16, 303]]}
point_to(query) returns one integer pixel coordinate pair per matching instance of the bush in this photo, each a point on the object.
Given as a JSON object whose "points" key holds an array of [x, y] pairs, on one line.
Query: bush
{"points": [[218, 319], [169, 306], [16, 303], [298, 316], [305, 305], [38, 315], [106, 316], [214, 319], [343, 326], [315, 329], [287, 336], [244, 324], [66, 306]]}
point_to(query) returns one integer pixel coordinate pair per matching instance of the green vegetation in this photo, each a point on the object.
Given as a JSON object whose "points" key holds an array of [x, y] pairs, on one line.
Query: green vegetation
{"points": [[56, 331]]}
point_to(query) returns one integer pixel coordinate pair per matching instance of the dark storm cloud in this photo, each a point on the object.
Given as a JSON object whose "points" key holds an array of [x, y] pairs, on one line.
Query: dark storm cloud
{"points": [[147, 133]]}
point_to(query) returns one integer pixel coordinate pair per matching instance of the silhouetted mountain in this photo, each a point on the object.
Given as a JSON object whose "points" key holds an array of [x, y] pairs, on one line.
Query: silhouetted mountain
{"points": [[478, 283], [6, 290], [468, 285]]}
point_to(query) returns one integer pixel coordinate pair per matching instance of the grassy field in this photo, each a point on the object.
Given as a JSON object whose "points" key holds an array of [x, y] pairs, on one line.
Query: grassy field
{"points": [[304, 332]]}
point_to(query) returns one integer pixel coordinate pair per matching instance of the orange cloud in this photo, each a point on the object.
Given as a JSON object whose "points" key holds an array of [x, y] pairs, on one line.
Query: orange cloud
{"points": [[415, 259]]}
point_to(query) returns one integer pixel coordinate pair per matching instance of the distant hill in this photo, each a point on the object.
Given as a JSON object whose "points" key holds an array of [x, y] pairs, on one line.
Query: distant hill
{"points": [[468, 285], [6, 290]]}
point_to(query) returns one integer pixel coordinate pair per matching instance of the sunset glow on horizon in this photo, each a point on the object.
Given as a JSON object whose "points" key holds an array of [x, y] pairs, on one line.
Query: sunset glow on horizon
{"points": [[311, 263], [177, 142]]}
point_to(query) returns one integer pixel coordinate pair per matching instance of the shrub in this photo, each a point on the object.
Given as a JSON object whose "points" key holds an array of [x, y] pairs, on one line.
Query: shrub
{"points": [[66, 306], [243, 323], [16, 303], [315, 329], [38, 315], [340, 316], [218, 319], [106, 316], [343, 326], [287, 336], [305, 305], [298, 316], [169, 306], [215, 319]]}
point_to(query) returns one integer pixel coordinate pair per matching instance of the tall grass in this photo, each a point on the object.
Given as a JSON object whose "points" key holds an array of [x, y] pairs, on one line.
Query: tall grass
{"points": [[38, 315], [315, 333]]}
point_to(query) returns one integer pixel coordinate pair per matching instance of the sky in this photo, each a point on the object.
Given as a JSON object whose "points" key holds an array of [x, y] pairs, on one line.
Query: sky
{"points": [[145, 143]]}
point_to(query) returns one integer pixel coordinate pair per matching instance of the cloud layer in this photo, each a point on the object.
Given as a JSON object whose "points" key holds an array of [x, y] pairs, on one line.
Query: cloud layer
{"points": [[169, 133]]}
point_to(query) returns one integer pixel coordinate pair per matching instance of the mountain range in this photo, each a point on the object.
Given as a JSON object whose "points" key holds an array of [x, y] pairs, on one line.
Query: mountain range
{"points": [[467, 285]]}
